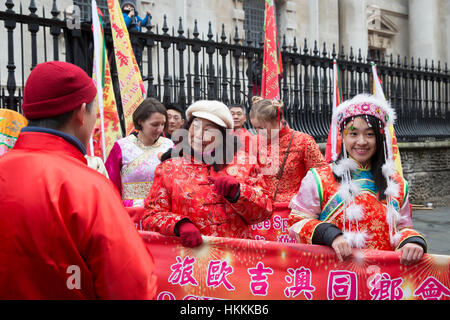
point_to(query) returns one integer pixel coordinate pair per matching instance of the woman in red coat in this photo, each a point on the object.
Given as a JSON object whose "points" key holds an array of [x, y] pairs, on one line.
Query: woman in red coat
{"points": [[212, 189]]}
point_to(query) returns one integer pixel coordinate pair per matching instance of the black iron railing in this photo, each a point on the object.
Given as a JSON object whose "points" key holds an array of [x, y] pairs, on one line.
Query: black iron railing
{"points": [[182, 66]]}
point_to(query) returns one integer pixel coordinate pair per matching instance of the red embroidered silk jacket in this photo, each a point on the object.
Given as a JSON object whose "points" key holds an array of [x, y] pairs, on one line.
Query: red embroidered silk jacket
{"points": [[181, 190], [318, 201], [304, 154]]}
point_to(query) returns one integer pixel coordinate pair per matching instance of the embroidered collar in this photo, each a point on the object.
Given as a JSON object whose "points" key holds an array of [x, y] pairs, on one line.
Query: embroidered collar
{"points": [[141, 145]]}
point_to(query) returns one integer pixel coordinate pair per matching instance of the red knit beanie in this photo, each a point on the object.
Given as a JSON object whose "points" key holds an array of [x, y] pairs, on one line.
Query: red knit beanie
{"points": [[55, 88]]}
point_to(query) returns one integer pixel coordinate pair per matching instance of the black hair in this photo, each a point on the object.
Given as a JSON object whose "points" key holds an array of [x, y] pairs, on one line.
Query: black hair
{"points": [[177, 108], [57, 122], [378, 159], [144, 111], [237, 105]]}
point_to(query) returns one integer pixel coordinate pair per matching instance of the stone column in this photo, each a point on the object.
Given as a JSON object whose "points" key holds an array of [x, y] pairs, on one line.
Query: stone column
{"points": [[445, 10], [424, 42], [353, 25], [328, 23], [238, 16]]}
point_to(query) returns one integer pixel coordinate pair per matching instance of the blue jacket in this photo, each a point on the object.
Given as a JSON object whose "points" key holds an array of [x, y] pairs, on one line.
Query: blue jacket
{"points": [[137, 19]]}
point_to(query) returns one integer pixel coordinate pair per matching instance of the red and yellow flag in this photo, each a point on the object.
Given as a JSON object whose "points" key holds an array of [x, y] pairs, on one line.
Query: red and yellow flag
{"points": [[272, 66], [11, 122], [378, 92], [130, 80], [107, 128], [333, 146]]}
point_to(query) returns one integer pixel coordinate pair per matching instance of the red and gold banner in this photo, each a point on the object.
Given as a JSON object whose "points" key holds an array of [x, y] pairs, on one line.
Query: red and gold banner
{"points": [[270, 88], [275, 228], [130, 80], [225, 268], [107, 127]]}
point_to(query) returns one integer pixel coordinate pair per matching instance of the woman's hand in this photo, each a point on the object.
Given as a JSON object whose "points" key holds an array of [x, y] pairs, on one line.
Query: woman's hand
{"points": [[342, 248], [190, 236], [226, 186], [411, 253]]}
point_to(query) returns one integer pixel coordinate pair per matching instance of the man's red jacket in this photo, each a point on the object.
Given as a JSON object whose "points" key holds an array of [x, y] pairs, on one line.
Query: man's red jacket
{"points": [[64, 233]]}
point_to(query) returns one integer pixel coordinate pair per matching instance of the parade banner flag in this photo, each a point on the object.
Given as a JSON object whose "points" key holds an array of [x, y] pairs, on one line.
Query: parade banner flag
{"points": [[11, 122], [378, 92], [334, 138], [226, 268], [130, 80], [275, 228], [272, 66], [106, 130]]}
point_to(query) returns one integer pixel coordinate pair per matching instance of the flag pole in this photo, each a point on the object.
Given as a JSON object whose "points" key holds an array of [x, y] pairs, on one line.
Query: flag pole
{"points": [[97, 61]]}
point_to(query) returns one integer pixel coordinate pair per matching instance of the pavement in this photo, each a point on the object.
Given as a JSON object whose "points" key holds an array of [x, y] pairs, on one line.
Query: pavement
{"points": [[435, 226]]}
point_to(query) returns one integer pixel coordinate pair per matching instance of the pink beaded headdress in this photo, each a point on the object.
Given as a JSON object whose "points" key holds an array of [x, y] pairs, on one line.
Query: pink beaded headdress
{"points": [[364, 104]]}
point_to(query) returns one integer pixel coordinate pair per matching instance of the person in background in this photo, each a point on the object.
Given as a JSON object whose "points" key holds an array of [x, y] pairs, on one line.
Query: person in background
{"points": [[64, 233], [206, 190], [301, 151], [97, 164], [10, 124], [175, 119], [239, 118], [134, 22], [285, 155], [132, 161], [359, 200]]}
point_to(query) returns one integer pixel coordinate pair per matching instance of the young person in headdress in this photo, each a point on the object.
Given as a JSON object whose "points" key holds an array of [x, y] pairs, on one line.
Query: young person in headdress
{"points": [[359, 200]]}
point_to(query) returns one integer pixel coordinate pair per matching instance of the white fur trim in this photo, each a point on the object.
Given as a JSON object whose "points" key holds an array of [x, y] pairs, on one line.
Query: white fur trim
{"points": [[392, 215], [389, 155], [356, 239], [354, 213], [388, 169], [349, 190], [344, 192], [392, 189], [343, 165], [355, 188], [395, 239]]}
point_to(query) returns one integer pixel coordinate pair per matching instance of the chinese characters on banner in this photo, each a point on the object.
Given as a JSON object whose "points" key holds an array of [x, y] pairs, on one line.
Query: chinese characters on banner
{"points": [[225, 268], [130, 80]]}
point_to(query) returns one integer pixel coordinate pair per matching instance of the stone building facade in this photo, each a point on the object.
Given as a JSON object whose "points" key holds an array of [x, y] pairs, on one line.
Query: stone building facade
{"points": [[411, 28], [426, 166]]}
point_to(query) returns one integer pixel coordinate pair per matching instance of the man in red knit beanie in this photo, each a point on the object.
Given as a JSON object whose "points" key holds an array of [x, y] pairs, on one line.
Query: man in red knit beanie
{"points": [[64, 233]]}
